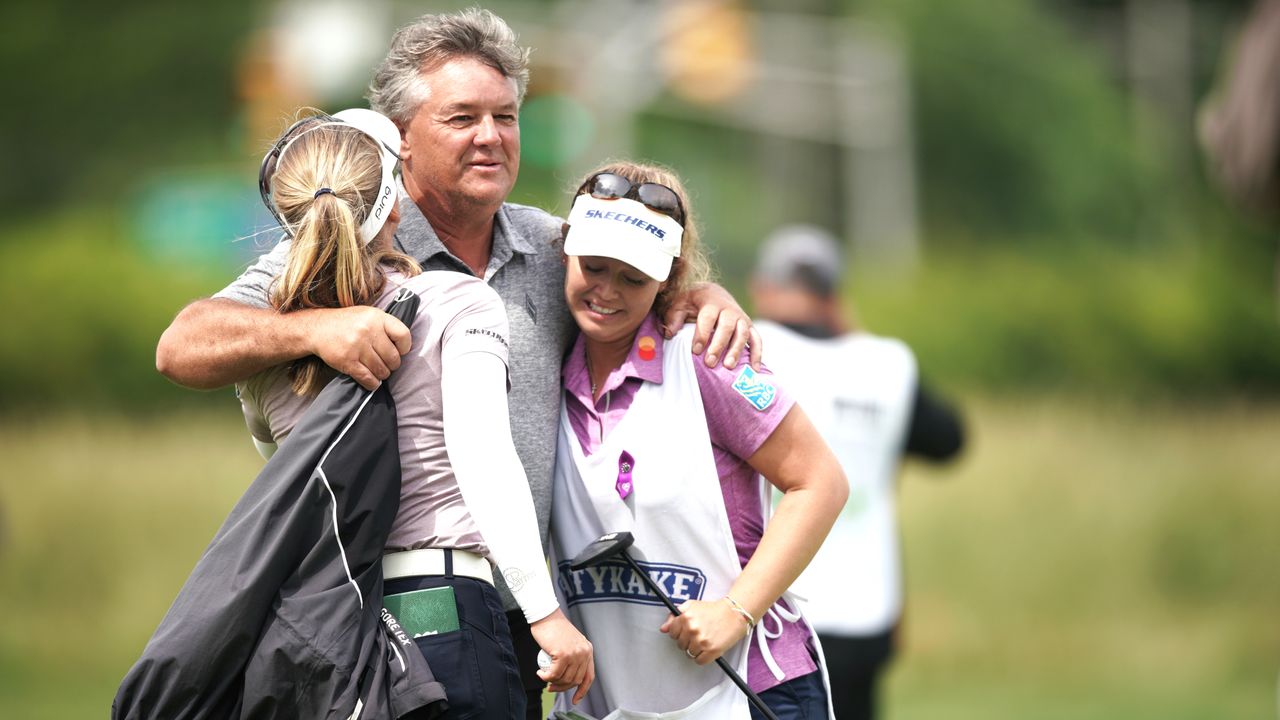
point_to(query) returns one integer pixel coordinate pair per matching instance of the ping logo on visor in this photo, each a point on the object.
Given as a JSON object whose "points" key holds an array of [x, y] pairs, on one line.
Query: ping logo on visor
{"points": [[380, 128], [626, 230], [373, 124]]}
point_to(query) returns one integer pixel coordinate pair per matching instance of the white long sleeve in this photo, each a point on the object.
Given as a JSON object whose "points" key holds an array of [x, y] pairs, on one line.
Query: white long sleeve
{"points": [[492, 480]]}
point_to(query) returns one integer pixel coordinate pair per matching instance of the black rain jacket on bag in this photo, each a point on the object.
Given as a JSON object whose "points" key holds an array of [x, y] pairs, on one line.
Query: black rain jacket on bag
{"points": [[282, 616]]}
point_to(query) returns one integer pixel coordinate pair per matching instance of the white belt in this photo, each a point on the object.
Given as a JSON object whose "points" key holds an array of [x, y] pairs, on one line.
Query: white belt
{"points": [[431, 561]]}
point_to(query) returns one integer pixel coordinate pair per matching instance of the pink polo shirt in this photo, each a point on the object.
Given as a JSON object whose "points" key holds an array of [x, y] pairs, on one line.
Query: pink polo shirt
{"points": [[737, 430]]}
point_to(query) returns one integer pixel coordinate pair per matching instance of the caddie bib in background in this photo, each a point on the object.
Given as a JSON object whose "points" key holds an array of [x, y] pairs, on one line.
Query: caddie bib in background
{"points": [[857, 390]]}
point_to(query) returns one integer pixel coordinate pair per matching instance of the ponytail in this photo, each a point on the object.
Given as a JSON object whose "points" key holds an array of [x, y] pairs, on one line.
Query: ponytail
{"points": [[323, 187]]}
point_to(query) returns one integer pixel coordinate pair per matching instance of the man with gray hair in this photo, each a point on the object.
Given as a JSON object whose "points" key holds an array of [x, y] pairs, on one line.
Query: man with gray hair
{"points": [[453, 84], [863, 394]]}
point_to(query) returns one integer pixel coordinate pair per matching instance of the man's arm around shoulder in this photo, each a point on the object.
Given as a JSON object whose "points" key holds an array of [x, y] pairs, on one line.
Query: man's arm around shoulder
{"points": [[216, 342]]}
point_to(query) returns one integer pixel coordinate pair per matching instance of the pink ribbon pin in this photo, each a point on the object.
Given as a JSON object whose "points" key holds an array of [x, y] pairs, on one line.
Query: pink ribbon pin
{"points": [[626, 464]]}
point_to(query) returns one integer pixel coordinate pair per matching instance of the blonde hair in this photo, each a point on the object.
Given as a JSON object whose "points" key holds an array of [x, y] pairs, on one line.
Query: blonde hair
{"points": [[693, 266], [328, 265]]}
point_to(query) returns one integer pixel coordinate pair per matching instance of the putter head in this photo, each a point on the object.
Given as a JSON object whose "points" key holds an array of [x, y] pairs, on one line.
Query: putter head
{"points": [[608, 546]]}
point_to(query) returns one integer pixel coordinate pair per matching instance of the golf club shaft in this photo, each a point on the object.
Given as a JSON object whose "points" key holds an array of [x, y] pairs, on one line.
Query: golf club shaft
{"points": [[724, 664]]}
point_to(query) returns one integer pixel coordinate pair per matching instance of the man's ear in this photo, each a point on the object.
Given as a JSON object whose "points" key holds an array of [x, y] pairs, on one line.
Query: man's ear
{"points": [[404, 141]]}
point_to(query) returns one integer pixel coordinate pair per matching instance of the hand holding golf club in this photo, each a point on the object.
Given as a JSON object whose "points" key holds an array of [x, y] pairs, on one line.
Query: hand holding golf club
{"points": [[705, 630], [614, 545], [570, 653]]}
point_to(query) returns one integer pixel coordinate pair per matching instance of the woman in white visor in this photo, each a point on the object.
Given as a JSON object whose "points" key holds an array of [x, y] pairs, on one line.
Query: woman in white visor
{"points": [[465, 509], [654, 443]]}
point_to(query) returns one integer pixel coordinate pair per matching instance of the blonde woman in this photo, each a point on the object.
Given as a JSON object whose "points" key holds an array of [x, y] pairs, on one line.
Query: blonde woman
{"points": [[465, 507]]}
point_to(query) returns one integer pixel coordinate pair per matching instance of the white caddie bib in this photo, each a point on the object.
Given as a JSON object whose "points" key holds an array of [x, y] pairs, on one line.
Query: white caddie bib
{"points": [[857, 390], [682, 539]]}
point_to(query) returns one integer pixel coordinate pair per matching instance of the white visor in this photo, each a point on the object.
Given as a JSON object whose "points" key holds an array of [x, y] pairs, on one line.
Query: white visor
{"points": [[384, 132], [625, 230], [380, 128]]}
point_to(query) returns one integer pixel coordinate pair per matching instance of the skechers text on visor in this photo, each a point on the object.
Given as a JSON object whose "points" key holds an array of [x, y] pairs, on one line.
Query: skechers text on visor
{"points": [[625, 230]]}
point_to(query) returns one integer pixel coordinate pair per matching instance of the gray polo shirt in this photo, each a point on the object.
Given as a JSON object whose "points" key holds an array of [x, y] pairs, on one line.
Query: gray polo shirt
{"points": [[525, 270]]}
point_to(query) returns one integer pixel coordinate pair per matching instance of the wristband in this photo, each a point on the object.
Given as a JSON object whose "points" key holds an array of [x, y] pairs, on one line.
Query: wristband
{"points": [[751, 621]]}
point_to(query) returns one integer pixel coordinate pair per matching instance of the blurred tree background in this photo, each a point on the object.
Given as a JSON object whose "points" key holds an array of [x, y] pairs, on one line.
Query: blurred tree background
{"points": [[1049, 177], [1025, 204]]}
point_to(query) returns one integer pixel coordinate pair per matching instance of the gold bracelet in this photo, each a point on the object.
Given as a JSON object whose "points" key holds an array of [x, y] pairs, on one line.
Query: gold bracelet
{"points": [[751, 621]]}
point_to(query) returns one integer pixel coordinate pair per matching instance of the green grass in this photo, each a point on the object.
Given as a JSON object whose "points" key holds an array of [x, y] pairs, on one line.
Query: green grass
{"points": [[102, 520], [1095, 562], [1081, 561]]}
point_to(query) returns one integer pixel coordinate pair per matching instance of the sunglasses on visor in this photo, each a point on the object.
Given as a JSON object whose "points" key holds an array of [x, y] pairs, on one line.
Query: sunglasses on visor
{"points": [[659, 198], [267, 170]]}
